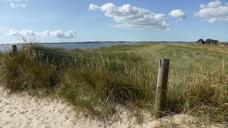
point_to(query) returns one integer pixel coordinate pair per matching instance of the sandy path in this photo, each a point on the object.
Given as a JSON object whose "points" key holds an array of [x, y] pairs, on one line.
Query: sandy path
{"points": [[22, 111], [17, 111]]}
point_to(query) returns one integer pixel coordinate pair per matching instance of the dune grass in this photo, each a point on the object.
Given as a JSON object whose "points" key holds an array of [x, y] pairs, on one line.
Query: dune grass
{"points": [[97, 81]]}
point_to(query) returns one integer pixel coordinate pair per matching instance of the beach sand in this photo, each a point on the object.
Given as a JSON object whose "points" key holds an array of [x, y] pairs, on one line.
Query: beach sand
{"points": [[23, 111]]}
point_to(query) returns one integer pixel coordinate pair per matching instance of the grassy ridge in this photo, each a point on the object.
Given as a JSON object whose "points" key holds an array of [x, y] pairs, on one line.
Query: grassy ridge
{"points": [[95, 81]]}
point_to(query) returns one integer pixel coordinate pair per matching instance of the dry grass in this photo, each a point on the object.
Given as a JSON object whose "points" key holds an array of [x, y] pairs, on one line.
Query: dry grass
{"points": [[99, 80]]}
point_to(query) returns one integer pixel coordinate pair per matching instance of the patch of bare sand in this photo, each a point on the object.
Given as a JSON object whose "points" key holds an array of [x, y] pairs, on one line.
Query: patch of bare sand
{"points": [[23, 111]]}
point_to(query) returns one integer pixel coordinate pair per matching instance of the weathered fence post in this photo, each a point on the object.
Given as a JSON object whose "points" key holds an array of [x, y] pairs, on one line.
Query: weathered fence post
{"points": [[161, 90], [14, 49]]}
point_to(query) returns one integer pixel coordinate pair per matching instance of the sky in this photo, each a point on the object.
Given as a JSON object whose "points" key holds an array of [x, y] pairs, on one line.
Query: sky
{"points": [[113, 20]]}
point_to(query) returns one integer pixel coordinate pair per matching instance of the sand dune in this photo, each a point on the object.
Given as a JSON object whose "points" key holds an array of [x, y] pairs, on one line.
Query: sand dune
{"points": [[18, 111], [23, 111]]}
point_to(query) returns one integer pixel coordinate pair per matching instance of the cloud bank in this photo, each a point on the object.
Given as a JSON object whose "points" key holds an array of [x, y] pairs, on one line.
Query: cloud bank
{"points": [[213, 11], [128, 16], [56, 33], [177, 13]]}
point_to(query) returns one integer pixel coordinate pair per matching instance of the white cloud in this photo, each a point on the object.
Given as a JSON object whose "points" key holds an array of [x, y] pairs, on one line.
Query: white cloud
{"points": [[56, 33], [179, 14], [26, 33], [14, 0], [93, 7], [128, 16], [213, 11], [17, 5]]}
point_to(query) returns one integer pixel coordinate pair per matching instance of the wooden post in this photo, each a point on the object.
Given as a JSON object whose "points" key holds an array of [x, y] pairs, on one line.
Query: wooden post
{"points": [[161, 90], [14, 49]]}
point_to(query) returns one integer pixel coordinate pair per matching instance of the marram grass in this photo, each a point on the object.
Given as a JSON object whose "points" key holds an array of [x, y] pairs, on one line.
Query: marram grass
{"points": [[97, 81]]}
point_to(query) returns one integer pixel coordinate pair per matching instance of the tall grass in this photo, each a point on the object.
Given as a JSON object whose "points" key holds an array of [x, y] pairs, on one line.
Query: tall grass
{"points": [[25, 72], [97, 81]]}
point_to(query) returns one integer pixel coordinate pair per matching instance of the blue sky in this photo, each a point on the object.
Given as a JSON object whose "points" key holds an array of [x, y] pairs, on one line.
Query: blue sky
{"points": [[102, 20]]}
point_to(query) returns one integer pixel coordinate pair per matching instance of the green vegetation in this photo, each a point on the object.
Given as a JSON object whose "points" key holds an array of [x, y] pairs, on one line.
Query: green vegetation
{"points": [[97, 81]]}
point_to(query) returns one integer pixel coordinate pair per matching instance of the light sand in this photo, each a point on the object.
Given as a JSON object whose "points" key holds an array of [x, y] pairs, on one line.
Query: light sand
{"points": [[23, 111]]}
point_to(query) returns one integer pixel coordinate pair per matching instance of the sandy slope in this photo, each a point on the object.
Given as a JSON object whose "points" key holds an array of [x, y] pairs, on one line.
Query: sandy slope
{"points": [[22, 111], [17, 111]]}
